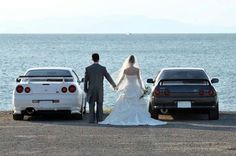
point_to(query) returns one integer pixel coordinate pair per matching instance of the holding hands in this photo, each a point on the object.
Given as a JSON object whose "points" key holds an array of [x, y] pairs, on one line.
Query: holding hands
{"points": [[116, 88]]}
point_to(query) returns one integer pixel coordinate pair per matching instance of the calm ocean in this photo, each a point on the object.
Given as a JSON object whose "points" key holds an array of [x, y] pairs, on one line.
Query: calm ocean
{"points": [[216, 53]]}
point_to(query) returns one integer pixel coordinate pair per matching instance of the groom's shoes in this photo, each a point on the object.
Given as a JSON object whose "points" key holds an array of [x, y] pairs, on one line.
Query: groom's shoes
{"points": [[95, 121], [92, 122]]}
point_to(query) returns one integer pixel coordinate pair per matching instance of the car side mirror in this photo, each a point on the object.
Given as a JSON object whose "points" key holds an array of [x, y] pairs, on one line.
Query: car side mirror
{"points": [[150, 81], [214, 80], [18, 80], [80, 81]]}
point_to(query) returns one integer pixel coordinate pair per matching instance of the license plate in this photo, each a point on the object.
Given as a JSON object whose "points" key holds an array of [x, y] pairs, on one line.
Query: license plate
{"points": [[184, 104], [45, 103]]}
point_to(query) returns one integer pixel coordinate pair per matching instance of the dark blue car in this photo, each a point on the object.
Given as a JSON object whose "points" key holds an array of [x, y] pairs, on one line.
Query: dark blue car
{"points": [[183, 88]]}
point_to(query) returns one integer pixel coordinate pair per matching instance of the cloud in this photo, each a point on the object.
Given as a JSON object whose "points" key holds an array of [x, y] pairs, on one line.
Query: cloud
{"points": [[117, 16]]}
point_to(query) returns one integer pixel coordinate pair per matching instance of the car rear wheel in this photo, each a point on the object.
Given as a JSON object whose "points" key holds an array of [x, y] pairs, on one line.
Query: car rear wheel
{"points": [[77, 116], [18, 117], [214, 114], [154, 114]]}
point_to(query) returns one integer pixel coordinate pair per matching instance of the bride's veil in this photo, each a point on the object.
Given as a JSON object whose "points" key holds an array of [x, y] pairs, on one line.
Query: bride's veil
{"points": [[120, 72]]}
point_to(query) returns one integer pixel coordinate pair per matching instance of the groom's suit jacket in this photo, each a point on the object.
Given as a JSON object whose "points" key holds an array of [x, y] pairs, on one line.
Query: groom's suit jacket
{"points": [[93, 85]]}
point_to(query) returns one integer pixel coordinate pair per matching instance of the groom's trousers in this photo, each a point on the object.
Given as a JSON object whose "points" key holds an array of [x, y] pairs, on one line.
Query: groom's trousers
{"points": [[98, 102]]}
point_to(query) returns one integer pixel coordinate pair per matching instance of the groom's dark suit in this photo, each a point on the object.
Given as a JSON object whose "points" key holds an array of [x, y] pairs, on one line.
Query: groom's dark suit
{"points": [[93, 86]]}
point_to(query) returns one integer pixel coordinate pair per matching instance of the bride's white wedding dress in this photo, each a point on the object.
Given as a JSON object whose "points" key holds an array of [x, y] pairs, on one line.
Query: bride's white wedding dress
{"points": [[129, 108]]}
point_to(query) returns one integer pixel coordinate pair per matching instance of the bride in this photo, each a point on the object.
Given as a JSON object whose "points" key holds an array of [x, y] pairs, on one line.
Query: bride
{"points": [[129, 108]]}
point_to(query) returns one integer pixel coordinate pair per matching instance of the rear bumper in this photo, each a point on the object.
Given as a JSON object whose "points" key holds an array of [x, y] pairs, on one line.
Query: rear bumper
{"points": [[47, 112], [175, 105], [195, 103], [71, 103]]}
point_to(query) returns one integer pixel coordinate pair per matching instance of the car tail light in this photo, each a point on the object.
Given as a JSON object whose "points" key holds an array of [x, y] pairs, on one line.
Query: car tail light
{"points": [[63, 89], [157, 92], [211, 92], [27, 89], [201, 92], [166, 92], [72, 89], [19, 89]]}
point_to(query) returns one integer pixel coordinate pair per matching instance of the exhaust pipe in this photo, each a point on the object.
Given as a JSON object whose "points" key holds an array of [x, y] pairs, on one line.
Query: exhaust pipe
{"points": [[164, 110], [30, 111]]}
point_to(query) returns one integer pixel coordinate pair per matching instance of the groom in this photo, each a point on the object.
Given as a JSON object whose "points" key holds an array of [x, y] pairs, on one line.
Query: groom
{"points": [[93, 86]]}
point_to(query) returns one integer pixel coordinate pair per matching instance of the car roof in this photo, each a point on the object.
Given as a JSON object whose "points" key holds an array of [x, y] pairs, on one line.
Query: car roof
{"points": [[182, 68]]}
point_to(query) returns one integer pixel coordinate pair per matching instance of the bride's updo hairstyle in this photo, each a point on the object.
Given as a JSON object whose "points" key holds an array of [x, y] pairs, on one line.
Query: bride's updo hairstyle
{"points": [[132, 59]]}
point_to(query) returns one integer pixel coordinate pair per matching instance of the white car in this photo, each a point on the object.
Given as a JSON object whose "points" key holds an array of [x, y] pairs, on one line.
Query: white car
{"points": [[48, 89]]}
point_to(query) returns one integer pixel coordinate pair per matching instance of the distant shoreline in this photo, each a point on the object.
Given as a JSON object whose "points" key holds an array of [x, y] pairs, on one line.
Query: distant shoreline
{"points": [[128, 34]]}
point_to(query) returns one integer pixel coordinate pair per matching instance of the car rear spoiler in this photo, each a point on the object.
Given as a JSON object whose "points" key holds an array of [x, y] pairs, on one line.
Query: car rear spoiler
{"points": [[184, 80], [44, 77]]}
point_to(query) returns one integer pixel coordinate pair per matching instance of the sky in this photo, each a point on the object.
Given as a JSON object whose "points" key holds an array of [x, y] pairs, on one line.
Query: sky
{"points": [[117, 16]]}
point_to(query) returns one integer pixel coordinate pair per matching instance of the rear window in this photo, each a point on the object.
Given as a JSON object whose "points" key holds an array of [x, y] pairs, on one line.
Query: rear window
{"points": [[48, 73], [53, 73], [183, 74], [184, 82]]}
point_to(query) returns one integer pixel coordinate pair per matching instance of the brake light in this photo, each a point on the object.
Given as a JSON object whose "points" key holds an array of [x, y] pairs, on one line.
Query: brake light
{"points": [[63, 89], [27, 89], [201, 92], [19, 89], [157, 92], [72, 89], [166, 92], [211, 92]]}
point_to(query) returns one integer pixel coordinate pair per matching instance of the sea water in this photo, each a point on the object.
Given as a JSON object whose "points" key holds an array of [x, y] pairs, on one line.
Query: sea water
{"points": [[216, 53]]}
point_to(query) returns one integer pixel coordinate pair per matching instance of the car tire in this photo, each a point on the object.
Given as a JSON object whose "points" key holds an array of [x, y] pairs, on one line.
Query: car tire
{"points": [[84, 110], [18, 117], [214, 114], [154, 114], [77, 116]]}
